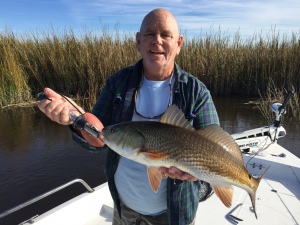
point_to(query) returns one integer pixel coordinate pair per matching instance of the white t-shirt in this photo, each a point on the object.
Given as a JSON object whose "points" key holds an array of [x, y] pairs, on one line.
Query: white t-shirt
{"points": [[131, 177]]}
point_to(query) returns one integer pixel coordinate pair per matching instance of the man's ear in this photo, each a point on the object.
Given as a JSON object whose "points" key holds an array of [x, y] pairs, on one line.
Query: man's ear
{"points": [[179, 43], [138, 38]]}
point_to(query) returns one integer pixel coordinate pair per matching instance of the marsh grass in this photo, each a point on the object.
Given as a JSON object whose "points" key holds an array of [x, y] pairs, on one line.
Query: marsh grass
{"points": [[77, 65], [13, 82], [277, 95]]}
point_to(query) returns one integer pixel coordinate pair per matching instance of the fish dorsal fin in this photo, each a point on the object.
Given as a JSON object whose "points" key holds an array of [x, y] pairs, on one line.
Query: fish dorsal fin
{"points": [[175, 116], [225, 193], [154, 176], [215, 133]]}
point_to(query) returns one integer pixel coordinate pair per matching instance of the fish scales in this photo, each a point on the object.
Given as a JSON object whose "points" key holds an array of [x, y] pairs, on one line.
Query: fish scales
{"points": [[209, 154], [187, 150]]}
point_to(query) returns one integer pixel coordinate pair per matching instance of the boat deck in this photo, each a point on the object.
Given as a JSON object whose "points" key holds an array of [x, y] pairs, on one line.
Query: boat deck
{"points": [[277, 198]]}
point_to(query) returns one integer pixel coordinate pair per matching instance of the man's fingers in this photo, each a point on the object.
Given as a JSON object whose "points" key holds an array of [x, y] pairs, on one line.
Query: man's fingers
{"points": [[58, 115], [51, 94], [176, 173], [43, 104], [57, 107], [55, 111], [64, 117], [172, 172]]}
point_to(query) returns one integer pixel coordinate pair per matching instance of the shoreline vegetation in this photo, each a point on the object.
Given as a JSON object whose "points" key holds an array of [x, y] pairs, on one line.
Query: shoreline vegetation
{"points": [[262, 66]]}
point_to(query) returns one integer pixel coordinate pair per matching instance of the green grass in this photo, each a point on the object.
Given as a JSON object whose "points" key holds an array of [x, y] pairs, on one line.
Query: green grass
{"points": [[78, 65]]}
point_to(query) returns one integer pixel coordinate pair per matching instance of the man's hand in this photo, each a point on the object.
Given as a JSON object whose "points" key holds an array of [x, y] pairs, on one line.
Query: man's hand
{"points": [[175, 173], [57, 109]]}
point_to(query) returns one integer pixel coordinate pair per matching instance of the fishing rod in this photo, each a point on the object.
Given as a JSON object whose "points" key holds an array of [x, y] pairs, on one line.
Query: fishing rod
{"points": [[78, 121]]}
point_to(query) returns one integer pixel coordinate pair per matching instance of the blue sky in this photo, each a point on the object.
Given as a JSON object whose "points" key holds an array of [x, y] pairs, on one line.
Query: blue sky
{"points": [[195, 17]]}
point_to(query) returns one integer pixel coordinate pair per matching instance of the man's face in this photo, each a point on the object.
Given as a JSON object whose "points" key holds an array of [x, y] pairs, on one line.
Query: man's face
{"points": [[159, 41]]}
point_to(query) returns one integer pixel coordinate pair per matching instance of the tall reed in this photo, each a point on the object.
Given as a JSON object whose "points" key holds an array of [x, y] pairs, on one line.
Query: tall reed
{"points": [[277, 95], [79, 64], [14, 87], [231, 65]]}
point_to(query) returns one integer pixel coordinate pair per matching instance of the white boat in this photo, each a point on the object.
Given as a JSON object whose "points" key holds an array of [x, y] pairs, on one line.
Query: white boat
{"points": [[277, 198]]}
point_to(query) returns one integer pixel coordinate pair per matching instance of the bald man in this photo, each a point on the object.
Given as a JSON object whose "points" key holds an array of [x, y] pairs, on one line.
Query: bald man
{"points": [[143, 92]]}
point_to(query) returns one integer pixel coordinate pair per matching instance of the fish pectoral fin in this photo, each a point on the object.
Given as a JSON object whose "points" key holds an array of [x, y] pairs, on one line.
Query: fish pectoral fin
{"points": [[152, 154], [225, 193], [154, 177]]}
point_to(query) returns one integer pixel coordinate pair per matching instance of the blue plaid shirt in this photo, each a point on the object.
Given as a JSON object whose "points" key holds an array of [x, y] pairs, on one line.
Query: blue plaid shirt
{"points": [[116, 104]]}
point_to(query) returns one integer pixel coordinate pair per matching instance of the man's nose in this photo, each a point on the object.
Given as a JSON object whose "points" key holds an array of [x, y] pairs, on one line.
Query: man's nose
{"points": [[157, 39]]}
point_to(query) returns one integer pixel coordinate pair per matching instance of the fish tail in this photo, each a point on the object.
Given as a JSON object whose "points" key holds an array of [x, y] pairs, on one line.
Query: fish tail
{"points": [[253, 194]]}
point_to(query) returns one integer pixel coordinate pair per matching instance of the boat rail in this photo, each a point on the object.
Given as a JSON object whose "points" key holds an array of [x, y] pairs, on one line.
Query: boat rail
{"points": [[33, 200]]}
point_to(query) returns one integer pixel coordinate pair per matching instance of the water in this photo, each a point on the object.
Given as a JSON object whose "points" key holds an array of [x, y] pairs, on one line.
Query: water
{"points": [[236, 115], [37, 155]]}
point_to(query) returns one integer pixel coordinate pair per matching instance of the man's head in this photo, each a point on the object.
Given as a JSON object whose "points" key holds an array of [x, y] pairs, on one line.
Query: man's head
{"points": [[159, 42]]}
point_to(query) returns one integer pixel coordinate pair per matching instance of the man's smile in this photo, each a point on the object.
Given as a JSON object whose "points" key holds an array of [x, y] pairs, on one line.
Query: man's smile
{"points": [[156, 52]]}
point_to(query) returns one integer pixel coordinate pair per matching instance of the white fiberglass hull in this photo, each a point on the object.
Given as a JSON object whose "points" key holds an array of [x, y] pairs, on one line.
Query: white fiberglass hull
{"points": [[278, 198]]}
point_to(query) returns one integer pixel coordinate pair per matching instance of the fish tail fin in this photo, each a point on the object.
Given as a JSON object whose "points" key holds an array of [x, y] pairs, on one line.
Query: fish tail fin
{"points": [[253, 194]]}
